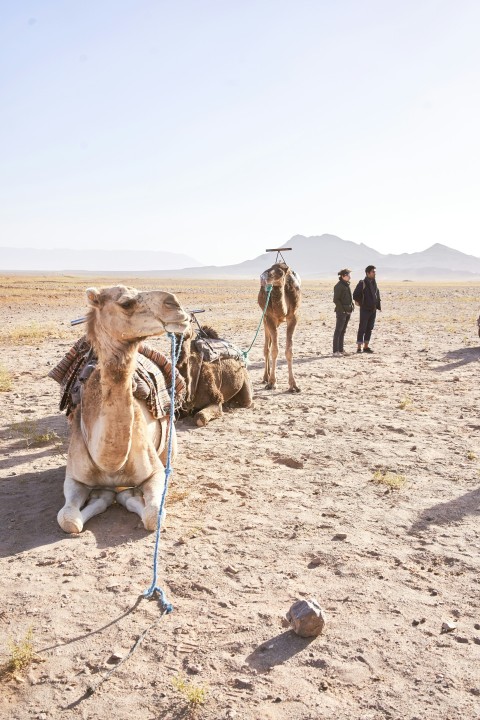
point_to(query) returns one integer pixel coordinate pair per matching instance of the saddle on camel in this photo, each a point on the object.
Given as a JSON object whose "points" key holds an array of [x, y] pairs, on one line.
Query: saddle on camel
{"points": [[115, 389]]}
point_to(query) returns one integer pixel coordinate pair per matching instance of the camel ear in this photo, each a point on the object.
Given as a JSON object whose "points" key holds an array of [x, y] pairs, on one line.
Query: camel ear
{"points": [[93, 296]]}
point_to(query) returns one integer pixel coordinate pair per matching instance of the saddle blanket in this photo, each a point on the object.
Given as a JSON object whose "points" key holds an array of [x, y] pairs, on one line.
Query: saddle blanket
{"points": [[212, 349], [152, 380]]}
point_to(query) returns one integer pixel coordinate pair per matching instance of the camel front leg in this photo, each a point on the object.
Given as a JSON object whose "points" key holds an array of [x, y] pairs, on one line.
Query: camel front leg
{"points": [[266, 353], [145, 500], [272, 370], [211, 412], [81, 504], [291, 325], [165, 430]]}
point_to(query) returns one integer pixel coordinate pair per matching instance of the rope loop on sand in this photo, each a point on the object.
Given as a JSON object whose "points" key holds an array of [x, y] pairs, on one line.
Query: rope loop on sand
{"points": [[154, 590], [268, 289]]}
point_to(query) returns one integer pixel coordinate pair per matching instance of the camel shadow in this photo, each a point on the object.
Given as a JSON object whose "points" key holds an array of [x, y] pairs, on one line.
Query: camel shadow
{"points": [[448, 512], [277, 651], [463, 356], [59, 423], [10, 462], [28, 516]]}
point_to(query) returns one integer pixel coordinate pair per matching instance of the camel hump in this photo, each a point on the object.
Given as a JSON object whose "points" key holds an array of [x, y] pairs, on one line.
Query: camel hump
{"points": [[294, 278], [208, 331]]}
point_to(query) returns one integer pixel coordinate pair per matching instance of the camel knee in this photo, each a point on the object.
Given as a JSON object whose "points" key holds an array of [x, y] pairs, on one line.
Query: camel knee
{"points": [[150, 518], [70, 520]]}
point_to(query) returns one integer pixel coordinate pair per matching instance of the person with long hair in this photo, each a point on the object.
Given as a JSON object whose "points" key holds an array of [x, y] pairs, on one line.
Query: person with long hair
{"points": [[344, 306]]}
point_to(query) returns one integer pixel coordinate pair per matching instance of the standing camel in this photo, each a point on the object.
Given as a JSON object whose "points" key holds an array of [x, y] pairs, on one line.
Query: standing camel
{"points": [[282, 307], [115, 441]]}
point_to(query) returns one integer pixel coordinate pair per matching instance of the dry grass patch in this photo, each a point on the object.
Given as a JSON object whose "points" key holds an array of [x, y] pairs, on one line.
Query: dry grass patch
{"points": [[21, 656], [33, 435], [32, 333], [6, 380], [405, 403], [389, 479], [194, 695], [176, 495]]}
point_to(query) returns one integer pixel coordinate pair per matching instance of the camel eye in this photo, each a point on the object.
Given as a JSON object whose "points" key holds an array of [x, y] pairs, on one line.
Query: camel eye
{"points": [[127, 304]]}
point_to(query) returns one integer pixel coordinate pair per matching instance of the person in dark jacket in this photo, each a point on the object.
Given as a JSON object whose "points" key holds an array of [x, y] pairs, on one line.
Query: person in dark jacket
{"points": [[344, 306], [367, 295]]}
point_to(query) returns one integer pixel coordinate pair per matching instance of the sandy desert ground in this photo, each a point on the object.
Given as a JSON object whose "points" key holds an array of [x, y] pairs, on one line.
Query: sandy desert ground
{"points": [[266, 506]]}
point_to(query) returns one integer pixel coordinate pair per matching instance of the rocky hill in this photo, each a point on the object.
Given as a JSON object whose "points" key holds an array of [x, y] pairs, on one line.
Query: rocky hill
{"points": [[312, 257], [322, 256]]}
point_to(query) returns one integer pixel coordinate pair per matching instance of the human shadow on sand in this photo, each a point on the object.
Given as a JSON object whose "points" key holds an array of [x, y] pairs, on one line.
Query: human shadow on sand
{"points": [[277, 651], [281, 362], [29, 504], [457, 358], [448, 512]]}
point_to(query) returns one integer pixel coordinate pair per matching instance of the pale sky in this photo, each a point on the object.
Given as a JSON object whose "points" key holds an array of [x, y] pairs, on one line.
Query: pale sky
{"points": [[218, 128]]}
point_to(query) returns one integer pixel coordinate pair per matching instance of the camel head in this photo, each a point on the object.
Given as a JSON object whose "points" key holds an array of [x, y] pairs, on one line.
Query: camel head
{"points": [[126, 315], [279, 275], [276, 275]]}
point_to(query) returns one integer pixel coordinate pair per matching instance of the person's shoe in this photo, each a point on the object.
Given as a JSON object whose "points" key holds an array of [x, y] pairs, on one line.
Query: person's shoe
{"points": [[344, 353], [337, 354], [367, 350], [359, 350]]}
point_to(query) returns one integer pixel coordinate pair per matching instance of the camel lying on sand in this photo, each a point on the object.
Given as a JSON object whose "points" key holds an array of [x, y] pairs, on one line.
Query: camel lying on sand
{"points": [[211, 384], [283, 306], [115, 441]]}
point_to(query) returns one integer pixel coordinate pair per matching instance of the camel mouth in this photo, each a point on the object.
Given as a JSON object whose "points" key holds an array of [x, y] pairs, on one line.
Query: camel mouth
{"points": [[177, 327]]}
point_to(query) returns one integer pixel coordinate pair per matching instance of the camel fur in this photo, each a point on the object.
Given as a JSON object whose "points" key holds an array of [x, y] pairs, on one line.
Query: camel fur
{"points": [[283, 306], [115, 442], [211, 384]]}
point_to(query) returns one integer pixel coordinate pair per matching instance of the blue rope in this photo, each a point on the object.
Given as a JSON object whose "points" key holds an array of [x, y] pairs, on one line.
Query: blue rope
{"points": [[269, 289], [154, 589]]}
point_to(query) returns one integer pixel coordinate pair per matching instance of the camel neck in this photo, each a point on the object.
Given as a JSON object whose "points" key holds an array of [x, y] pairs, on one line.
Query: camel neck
{"points": [[108, 415], [277, 299]]}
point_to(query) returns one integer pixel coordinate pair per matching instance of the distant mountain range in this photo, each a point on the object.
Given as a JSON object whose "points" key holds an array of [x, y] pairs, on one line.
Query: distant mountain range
{"points": [[318, 257], [312, 257], [65, 260]]}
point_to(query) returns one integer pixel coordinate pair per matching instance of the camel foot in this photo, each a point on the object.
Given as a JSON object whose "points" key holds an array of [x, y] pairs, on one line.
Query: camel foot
{"points": [[294, 389], [270, 386], [70, 522], [132, 499], [201, 420]]}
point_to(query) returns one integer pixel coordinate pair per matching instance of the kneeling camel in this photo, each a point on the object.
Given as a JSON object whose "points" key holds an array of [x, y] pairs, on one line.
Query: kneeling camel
{"points": [[210, 384], [116, 449]]}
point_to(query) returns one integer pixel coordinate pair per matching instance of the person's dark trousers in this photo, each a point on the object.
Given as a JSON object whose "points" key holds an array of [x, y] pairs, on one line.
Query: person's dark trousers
{"points": [[340, 327], [366, 325]]}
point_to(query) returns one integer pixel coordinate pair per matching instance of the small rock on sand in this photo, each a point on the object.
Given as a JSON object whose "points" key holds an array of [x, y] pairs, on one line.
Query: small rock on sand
{"points": [[306, 618]]}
